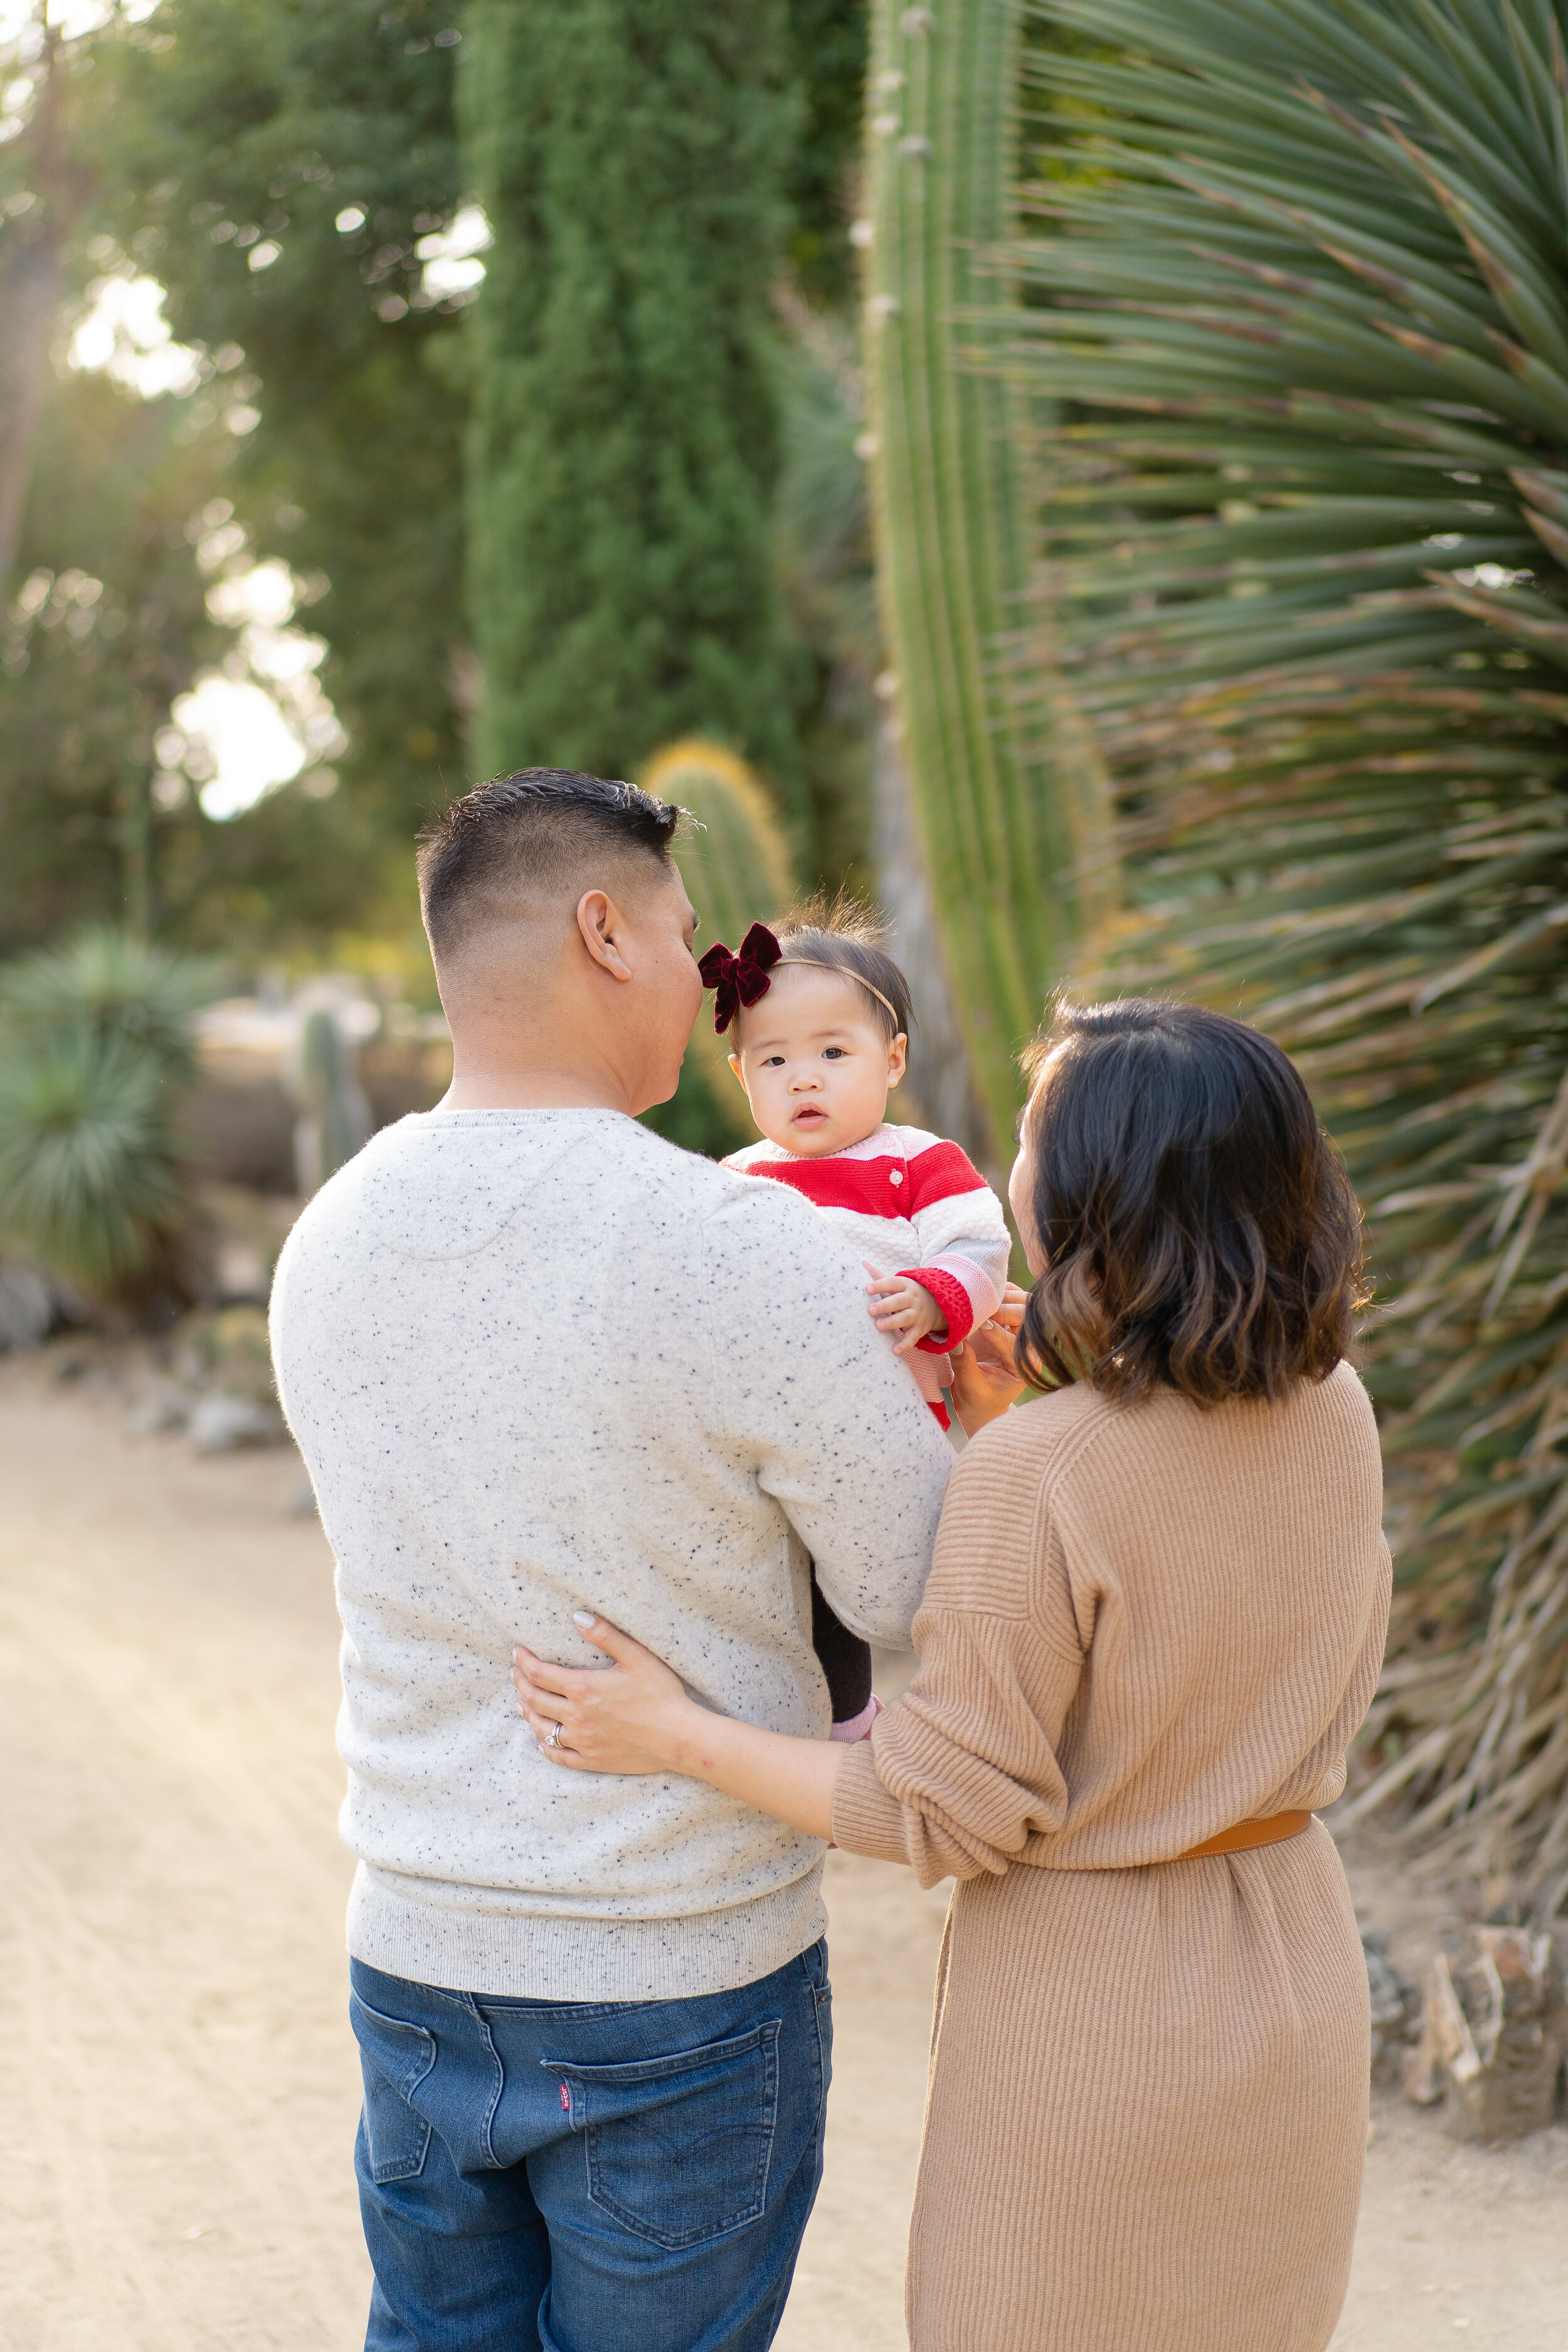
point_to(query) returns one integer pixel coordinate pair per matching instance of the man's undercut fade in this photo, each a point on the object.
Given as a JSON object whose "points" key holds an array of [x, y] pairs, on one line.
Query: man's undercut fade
{"points": [[523, 843]]}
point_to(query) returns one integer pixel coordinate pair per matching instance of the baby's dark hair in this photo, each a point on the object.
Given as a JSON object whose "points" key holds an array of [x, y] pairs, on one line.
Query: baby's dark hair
{"points": [[847, 935]]}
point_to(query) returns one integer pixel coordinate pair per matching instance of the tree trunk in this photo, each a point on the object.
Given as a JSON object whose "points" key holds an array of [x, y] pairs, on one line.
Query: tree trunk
{"points": [[31, 286]]}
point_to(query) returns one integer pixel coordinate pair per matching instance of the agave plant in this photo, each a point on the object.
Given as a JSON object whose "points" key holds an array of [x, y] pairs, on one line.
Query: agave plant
{"points": [[1294, 289]]}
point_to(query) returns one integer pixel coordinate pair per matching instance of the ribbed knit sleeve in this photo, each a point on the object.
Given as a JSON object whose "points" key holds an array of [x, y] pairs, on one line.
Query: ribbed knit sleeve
{"points": [[959, 1776], [962, 1772], [1144, 1623]]}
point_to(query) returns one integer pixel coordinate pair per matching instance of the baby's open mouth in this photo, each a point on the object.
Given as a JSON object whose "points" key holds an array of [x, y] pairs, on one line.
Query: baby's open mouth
{"points": [[808, 1115]]}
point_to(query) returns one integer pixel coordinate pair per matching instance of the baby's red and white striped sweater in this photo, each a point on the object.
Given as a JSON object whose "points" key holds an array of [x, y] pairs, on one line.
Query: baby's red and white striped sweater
{"points": [[908, 1202]]}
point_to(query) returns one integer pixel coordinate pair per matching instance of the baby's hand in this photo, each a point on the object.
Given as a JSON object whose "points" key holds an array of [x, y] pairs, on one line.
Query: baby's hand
{"points": [[900, 1303]]}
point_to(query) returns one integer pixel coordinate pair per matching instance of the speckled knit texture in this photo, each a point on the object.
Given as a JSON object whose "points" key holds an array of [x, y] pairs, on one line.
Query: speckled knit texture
{"points": [[1148, 2101], [538, 1360]]}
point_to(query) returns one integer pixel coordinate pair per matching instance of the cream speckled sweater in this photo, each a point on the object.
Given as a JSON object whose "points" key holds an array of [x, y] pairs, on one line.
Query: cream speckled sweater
{"points": [[1148, 2100], [536, 1359]]}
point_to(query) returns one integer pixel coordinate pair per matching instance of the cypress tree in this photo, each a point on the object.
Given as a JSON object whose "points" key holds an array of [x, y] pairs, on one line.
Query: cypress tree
{"points": [[632, 158]]}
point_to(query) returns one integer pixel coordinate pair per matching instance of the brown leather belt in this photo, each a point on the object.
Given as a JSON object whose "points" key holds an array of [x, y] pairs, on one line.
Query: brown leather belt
{"points": [[1247, 1835]]}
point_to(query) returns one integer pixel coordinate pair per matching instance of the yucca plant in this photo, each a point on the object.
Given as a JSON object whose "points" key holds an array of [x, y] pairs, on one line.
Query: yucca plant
{"points": [[111, 983], [95, 1045], [1294, 278], [734, 858], [90, 1181]]}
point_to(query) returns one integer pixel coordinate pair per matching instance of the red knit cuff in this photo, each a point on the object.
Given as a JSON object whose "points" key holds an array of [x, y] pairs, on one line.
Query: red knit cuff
{"points": [[953, 1300]]}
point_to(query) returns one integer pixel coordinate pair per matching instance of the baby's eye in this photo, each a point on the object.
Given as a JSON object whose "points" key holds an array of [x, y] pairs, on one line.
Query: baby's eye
{"points": [[832, 1052], [774, 1062]]}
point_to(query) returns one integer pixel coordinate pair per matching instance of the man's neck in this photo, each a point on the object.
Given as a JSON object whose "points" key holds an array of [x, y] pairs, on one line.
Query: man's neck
{"points": [[479, 1085]]}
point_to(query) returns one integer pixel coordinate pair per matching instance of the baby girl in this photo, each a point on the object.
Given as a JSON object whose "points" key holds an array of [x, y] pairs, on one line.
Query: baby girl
{"points": [[821, 1035]]}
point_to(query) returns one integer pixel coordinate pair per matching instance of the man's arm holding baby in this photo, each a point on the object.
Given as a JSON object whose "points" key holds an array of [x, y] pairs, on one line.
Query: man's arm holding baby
{"points": [[636, 1717], [805, 1391]]}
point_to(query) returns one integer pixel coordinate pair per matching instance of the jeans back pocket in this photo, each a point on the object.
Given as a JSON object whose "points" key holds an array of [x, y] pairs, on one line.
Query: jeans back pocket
{"points": [[394, 2058], [678, 2147]]}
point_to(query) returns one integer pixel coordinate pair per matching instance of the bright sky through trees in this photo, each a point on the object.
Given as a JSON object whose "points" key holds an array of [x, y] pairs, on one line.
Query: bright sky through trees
{"points": [[263, 719]]}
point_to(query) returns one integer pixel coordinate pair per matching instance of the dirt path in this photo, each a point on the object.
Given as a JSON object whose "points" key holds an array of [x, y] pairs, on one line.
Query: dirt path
{"points": [[176, 2072]]}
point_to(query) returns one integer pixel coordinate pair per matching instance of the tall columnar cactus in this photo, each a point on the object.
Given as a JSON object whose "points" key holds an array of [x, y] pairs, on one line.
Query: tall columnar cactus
{"points": [[735, 861], [1011, 826], [334, 1120]]}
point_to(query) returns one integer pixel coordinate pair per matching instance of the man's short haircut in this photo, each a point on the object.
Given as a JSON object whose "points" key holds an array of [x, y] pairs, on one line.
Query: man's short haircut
{"points": [[847, 937], [513, 846]]}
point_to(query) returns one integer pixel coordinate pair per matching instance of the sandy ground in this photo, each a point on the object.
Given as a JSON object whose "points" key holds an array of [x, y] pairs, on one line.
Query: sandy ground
{"points": [[176, 2073]]}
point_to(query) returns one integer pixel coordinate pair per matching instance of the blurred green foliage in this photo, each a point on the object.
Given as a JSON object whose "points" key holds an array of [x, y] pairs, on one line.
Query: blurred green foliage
{"points": [[215, 148], [632, 158], [241, 127], [106, 625], [827, 54], [108, 984]]}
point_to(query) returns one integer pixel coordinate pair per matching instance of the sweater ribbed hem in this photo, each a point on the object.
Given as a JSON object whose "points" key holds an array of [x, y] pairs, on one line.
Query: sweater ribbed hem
{"points": [[530, 1956]]}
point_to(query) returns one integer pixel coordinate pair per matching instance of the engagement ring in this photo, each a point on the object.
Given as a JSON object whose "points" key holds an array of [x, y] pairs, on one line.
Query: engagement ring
{"points": [[552, 1739]]}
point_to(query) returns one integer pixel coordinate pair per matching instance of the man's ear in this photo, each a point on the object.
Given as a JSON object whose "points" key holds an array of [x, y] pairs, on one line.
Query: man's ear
{"points": [[601, 925], [898, 1058]]}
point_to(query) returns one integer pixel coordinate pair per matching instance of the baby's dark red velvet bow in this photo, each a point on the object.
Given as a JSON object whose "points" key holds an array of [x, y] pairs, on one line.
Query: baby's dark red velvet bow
{"points": [[739, 979]]}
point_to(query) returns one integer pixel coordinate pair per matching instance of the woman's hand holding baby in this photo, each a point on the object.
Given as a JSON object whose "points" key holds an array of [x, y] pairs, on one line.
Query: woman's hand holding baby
{"points": [[901, 1305], [986, 1380]]}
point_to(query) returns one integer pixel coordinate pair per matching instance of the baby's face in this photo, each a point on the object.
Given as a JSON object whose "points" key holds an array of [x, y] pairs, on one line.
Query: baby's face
{"points": [[816, 1064]]}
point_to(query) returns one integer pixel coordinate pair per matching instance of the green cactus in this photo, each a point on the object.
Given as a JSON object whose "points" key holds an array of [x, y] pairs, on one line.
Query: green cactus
{"points": [[735, 863], [1014, 832], [735, 859], [335, 1120]]}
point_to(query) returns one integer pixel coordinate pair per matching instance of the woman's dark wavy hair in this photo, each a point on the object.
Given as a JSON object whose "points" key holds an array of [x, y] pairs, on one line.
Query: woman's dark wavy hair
{"points": [[1200, 1236]]}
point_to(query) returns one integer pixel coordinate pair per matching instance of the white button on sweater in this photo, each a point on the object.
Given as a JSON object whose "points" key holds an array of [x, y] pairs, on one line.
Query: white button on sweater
{"points": [[542, 1360]]}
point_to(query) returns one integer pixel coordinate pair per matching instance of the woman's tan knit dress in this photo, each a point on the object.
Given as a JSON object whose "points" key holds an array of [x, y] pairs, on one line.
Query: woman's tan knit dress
{"points": [[1148, 2099]]}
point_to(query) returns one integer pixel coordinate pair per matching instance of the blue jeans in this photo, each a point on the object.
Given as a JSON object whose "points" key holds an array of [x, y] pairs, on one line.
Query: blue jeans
{"points": [[581, 2175]]}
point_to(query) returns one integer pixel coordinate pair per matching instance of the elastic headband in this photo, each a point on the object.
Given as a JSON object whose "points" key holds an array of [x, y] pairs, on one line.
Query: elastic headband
{"points": [[739, 980]]}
